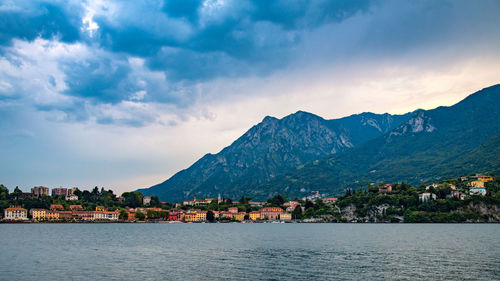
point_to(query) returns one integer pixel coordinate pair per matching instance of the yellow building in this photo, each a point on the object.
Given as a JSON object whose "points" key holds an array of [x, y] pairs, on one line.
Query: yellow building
{"points": [[285, 216], [38, 214], [240, 216], [485, 178], [201, 216], [190, 217], [52, 215], [100, 209], [254, 216], [477, 183]]}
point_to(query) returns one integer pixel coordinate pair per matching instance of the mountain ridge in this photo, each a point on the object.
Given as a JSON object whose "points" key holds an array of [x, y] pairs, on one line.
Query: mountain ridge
{"points": [[273, 155]]}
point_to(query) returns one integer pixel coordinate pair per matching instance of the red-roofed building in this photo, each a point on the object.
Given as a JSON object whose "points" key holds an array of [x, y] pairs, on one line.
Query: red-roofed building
{"points": [[330, 200], [385, 188], [15, 213], [271, 213], [76, 207], [56, 207]]}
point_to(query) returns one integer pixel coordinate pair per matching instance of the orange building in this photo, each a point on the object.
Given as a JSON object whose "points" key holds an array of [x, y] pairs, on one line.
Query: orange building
{"points": [[385, 188], [270, 213]]}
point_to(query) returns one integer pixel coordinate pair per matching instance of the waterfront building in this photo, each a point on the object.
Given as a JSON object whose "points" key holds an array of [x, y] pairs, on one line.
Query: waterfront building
{"points": [[131, 214], [38, 214], [39, 191], [190, 217], [105, 215], [51, 215], [173, 216], [59, 191], [240, 216], [84, 215], [270, 213], [285, 216], [226, 215], [65, 215], [15, 213], [201, 215], [254, 215], [233, 210]]}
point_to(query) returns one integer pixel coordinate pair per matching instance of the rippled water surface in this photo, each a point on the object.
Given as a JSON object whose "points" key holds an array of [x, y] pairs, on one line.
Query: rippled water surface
{"points": [[249, 251]]}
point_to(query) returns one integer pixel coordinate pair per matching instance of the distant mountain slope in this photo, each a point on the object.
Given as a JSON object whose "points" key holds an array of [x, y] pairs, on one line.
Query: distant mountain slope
{"points": [[432, 144], [270, 148]]}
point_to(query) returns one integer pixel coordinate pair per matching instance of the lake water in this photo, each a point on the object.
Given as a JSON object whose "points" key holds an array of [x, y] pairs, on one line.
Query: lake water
{"points": [[249, 251]]}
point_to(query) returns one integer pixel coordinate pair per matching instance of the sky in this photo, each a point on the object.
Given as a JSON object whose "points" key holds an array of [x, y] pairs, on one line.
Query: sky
{"points": [[123, 94]]}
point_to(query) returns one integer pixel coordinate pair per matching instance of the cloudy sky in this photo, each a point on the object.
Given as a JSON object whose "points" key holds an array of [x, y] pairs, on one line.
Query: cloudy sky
{"points": [[123, 94]]}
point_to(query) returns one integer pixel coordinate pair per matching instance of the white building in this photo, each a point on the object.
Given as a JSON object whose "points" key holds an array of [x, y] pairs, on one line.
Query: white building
{"points": [[426, 196], [71, 198], [106, 215], [15, 213], [478, 191], [146, 200]]}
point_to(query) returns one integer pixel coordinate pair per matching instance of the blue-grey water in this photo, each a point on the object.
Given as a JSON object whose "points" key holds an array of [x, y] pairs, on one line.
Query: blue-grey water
{"points": [[249, 251]]}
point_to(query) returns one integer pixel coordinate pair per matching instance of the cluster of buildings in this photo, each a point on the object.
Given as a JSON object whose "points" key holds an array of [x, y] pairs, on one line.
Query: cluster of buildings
{"points": [[40, 191], [57, 213], [475, 187], [196, 215]]}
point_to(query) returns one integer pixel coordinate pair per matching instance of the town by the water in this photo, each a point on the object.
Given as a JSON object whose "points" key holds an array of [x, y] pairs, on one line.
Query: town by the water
{"points": [[473, 198]]}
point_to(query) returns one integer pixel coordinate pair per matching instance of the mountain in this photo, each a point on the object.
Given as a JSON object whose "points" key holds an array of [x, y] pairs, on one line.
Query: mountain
{"points": [[304, 152], [430, 145], [269, 149]]}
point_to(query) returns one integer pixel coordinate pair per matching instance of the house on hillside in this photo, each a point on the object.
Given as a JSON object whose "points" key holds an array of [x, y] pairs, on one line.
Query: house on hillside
{"points": [[76, 207], [55, 207], [385, 188], [484, 178], [478, 184], [424, 197], [478, 191]]}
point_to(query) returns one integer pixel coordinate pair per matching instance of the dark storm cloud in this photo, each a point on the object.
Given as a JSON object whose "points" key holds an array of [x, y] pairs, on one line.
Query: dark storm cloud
{"points": [[30, 20], [192, 42], [99, 78]]}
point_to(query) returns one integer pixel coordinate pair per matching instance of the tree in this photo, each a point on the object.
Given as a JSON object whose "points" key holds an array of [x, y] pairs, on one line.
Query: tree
{"points": [[214, 205], [155, 201], [123, 215], [210, 216], [139, 215], [4, 192], [297, 213], [309, 204], [277, 200], [17, 193]]}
